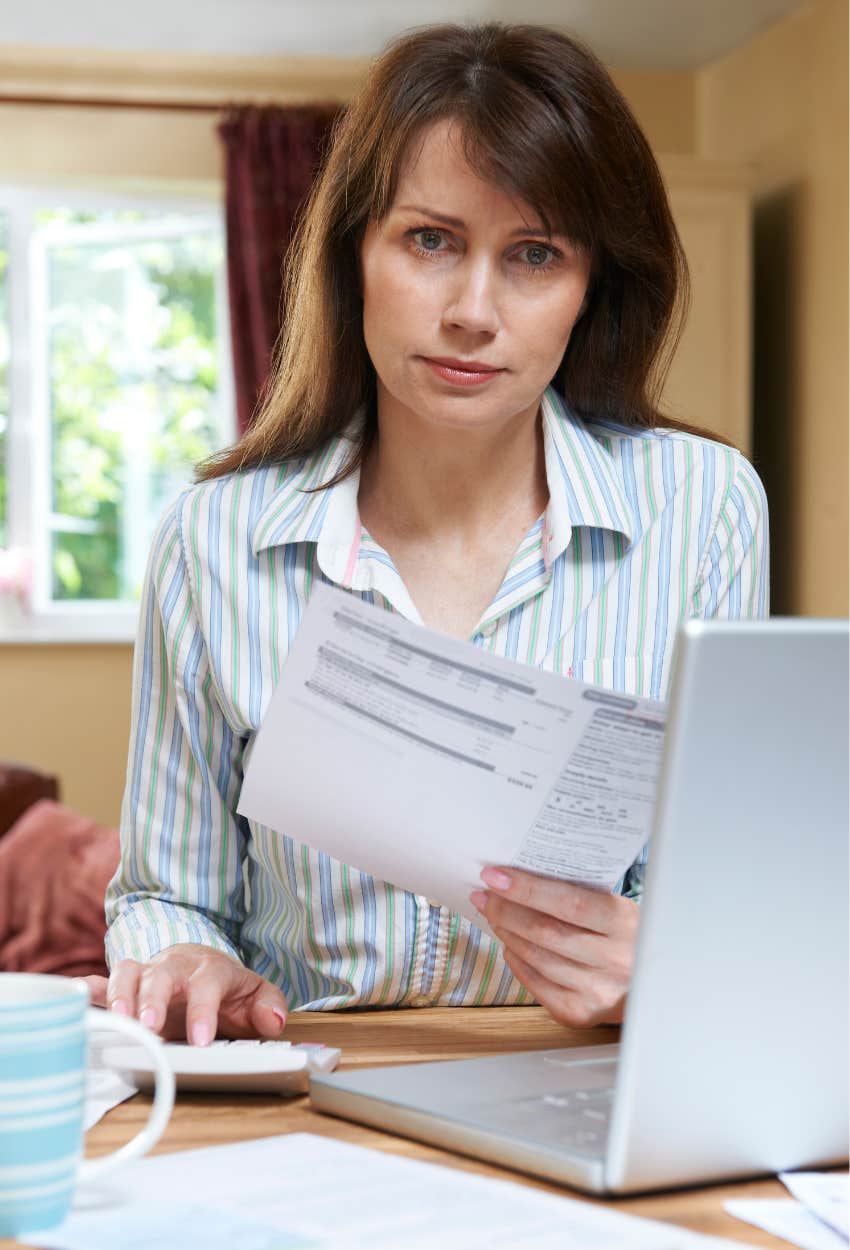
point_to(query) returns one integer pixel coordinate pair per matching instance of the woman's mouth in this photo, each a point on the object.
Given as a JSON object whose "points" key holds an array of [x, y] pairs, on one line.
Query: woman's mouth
{"points": [[462, 372]]}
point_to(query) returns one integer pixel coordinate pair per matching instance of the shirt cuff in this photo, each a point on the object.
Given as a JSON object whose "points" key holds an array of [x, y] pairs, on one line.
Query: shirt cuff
{"points": [[147, 926]]}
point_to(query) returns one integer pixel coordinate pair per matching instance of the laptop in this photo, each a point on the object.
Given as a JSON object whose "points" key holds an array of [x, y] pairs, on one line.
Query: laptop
{"points": [[733, 1056]]}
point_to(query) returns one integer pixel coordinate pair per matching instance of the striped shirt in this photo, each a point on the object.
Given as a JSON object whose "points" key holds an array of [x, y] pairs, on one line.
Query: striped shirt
{"points": [[642, 530]]}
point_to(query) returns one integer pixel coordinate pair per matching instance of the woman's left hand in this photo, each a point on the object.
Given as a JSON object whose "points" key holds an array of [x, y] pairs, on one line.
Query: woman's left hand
{"points": [[570, 946]]}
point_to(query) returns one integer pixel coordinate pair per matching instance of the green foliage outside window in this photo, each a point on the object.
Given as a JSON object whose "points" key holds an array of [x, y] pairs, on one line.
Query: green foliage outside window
{"points": [[133, 369]]}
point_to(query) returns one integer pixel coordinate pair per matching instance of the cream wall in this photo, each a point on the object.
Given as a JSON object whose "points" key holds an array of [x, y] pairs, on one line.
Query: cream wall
{"points": [[66, 709], [780, 103], [140, 143]]}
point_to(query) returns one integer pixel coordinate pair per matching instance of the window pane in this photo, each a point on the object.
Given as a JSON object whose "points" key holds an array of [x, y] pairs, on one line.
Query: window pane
{"points": [[4, 369], [133, 362]]}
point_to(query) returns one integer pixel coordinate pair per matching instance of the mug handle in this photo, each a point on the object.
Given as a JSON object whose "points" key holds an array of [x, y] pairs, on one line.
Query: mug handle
{"points": [[163, 1101]]}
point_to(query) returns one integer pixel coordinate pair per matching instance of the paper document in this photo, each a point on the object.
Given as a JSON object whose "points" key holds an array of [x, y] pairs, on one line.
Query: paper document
{"points": [[104, 1090], [301, 1190], [420, 759], [826, 1194], [783, 1217]]}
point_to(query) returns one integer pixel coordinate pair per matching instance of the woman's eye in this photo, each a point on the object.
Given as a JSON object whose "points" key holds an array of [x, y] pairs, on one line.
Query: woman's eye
{"points": [[429, 240], [536, 255]]}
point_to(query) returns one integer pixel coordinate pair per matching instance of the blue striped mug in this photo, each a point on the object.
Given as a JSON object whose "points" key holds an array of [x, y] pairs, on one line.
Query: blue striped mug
{"points": [[44, 1023]]}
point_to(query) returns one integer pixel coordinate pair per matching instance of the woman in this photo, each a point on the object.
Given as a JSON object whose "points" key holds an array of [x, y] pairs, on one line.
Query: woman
{"points": [[461, 428]]}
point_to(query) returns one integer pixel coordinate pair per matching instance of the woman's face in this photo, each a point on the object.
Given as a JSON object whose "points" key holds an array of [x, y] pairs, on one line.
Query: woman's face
{"points": [[468, 304]]}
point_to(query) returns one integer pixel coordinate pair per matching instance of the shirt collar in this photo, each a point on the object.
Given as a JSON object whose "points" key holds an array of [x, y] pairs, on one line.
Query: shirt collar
{"points": [[584, 490], [299, 512]]}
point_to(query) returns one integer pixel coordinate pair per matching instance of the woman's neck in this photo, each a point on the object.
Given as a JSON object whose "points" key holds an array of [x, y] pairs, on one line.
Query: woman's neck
{"points": [[455, 484]]}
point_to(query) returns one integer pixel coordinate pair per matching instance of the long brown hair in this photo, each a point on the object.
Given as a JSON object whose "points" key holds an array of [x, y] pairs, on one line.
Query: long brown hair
{"points": [[540, 117]]}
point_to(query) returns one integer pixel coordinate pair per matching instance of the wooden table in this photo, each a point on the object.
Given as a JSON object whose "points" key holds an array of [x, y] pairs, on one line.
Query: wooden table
{"points": [[368, 1038]]}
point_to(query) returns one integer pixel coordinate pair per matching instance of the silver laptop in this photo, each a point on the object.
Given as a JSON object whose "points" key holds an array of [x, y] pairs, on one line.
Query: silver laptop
{"points": [[733, 1058]]}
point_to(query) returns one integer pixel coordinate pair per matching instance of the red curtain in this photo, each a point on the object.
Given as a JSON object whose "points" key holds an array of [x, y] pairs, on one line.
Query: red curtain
{"points": [[271, 156]]}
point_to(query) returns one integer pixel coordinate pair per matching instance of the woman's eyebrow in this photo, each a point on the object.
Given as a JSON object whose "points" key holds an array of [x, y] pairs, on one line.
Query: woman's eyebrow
{"points": [[459, 223], [432, 212]]}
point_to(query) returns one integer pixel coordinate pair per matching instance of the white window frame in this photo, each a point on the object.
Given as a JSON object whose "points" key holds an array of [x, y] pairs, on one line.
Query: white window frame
{"points": [[28, 436]]}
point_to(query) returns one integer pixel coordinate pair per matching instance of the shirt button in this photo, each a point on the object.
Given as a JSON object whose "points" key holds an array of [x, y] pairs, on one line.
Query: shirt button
{"points": [[420, 1000]]}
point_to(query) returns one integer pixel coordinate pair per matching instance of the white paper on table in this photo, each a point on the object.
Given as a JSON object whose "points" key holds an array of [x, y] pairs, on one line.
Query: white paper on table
{"points": [[104, 1090], [783, 1217], [420, 759], [302, 1190], [826, 1194]]}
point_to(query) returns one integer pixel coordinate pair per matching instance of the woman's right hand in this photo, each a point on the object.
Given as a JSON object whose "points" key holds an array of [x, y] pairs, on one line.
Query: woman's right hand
{"points": [[192, 992]]}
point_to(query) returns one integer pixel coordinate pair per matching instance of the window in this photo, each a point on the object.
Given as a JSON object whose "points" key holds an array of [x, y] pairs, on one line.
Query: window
{"points": [[114, 381]]}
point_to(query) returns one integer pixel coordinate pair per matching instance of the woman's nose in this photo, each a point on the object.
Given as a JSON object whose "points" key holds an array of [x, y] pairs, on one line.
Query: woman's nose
{"points": [[472, 303]]}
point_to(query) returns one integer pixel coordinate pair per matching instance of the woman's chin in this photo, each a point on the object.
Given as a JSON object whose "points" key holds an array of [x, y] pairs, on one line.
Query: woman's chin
{"points": [[454, 411]]}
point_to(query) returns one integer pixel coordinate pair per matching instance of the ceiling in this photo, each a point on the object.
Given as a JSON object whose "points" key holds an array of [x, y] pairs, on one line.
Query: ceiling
{"points": [[636, 34]]}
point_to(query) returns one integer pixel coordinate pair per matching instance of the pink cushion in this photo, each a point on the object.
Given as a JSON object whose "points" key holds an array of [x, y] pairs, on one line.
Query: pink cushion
{"points": [[54, 869], [20, 787]]}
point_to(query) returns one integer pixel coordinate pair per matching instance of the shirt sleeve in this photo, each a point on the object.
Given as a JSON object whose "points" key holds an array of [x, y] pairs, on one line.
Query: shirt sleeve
{"points": [[734, 576], [733, 582], [180, 874]]}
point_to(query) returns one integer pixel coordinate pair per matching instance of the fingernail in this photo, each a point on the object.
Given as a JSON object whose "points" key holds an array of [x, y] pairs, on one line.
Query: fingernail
{"points": [[281, 1015], [201, 1034], [120, 1008], [496, 879], [478, 899]]}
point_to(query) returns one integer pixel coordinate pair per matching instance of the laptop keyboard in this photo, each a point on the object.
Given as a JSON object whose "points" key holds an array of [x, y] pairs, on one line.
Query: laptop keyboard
{"points": [[576, 1119]]}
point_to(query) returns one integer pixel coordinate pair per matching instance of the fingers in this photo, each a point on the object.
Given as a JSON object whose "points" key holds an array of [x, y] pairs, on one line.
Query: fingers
{"points": [[564, 1005], [195, 991], [145, 991], [561, 972], [568, 941], [197, 977], [594, 1002], [572, 947], [268, 1010], [96, 988], [576, 904], [122, 990], [205, 989], [252, 1007], [156, 988]]}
